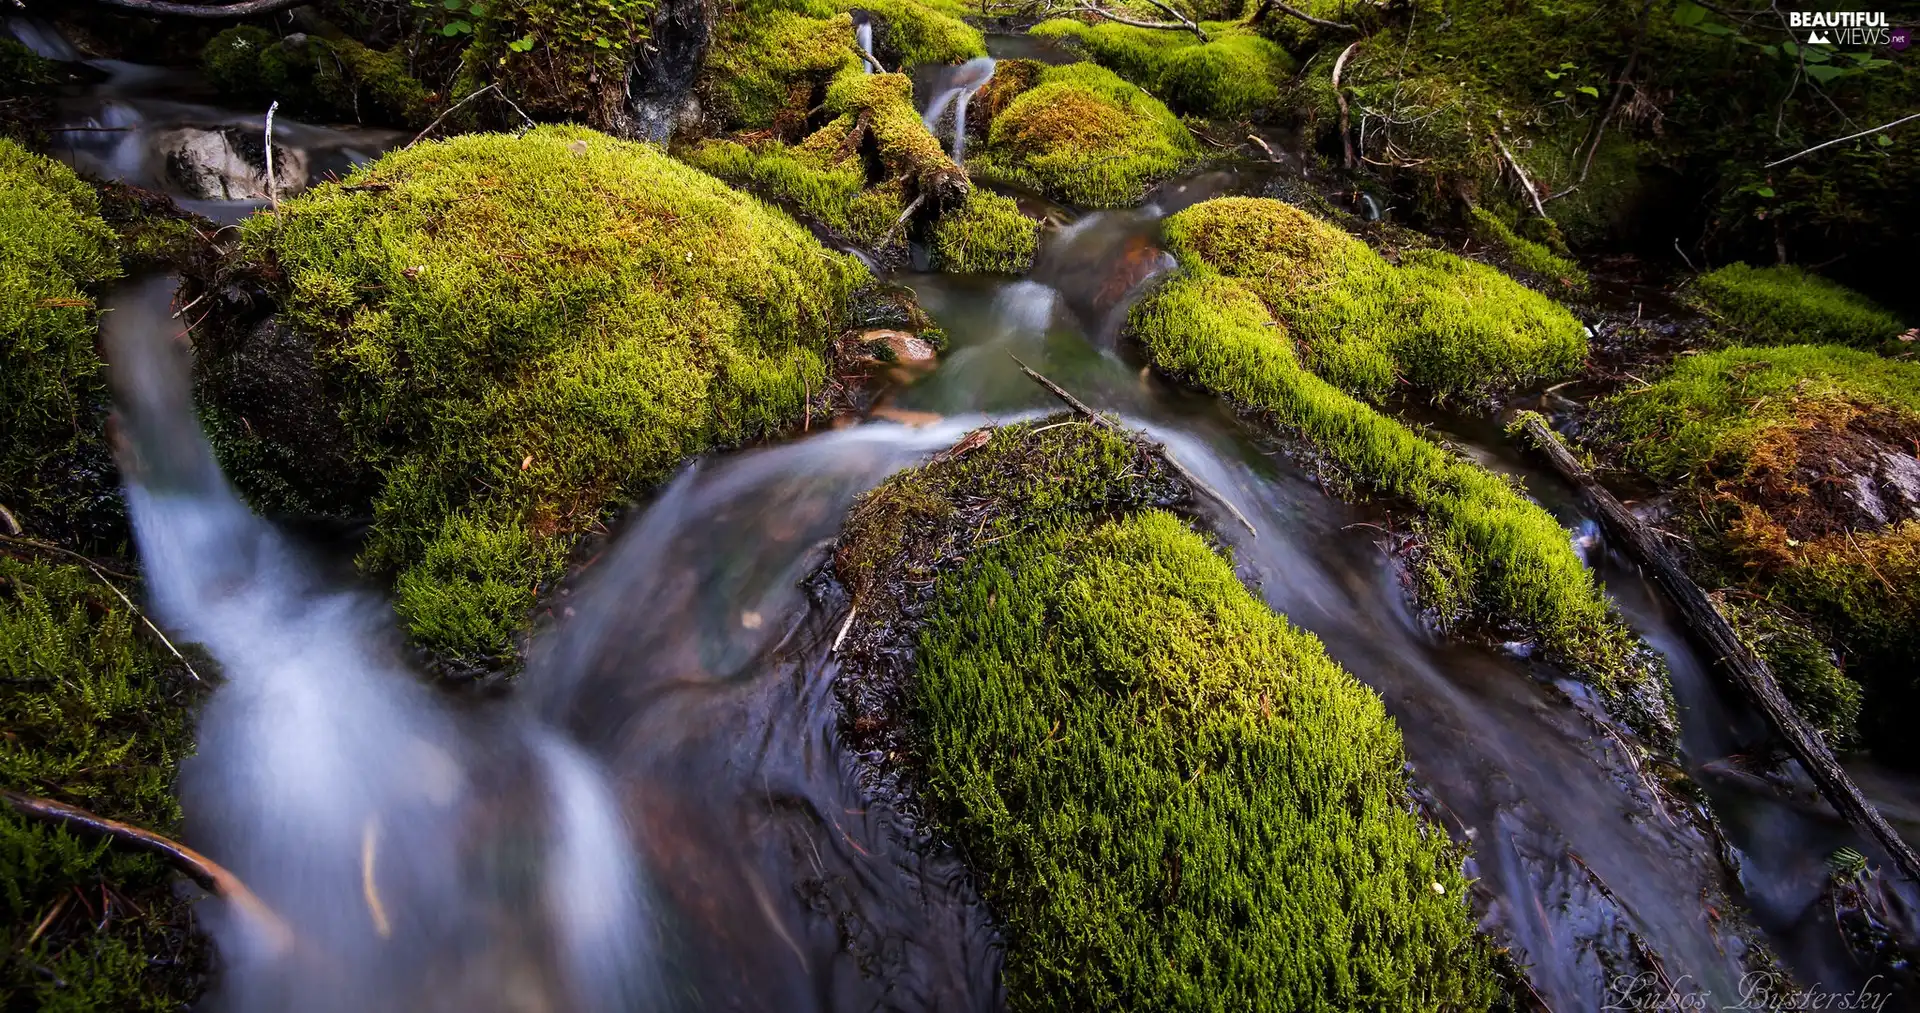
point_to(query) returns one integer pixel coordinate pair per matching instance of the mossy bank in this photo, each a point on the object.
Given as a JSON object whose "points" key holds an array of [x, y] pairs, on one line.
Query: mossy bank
{"points": [[486, 345], [1298, 322], [1171, 797]]}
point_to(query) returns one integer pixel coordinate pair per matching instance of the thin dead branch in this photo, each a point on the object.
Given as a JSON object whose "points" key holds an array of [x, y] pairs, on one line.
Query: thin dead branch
{"points": [[1101, 12], [1266, 5], [273, 184], [1346, 130], [1525, 183], [474, 94], [1842, 140]]}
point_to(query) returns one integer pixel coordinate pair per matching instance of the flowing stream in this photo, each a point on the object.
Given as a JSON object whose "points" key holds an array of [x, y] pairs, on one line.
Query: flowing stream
{"points": [[660, 817]]}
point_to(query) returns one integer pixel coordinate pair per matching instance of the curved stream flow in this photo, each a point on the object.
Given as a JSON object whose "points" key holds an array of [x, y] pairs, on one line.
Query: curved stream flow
{"points": [[662, 816]]}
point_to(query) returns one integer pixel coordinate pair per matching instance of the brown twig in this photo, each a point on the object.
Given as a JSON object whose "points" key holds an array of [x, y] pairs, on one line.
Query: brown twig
{"points": [[1525, 183], [1749, 672], [474, 94], [1346, 130], [190, 863]]}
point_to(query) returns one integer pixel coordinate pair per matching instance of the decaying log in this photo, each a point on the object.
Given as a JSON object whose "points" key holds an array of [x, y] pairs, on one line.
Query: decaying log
{"points": [[1712, 630], [192, 864]]}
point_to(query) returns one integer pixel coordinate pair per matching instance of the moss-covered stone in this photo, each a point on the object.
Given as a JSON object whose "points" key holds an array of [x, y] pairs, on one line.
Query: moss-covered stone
{"points": [[1084, 136], [56, 475], [311, 75], [560, 59], [96, 716], [1449, 326], [987, 235], [1803, 457], [1537, 259], [1802, 664], [1235, 74], [1786, 305], [1172, 798], [502, 337], [1487, 552]]}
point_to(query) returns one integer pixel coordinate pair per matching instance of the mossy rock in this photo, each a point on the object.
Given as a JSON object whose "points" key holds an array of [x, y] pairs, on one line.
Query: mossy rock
{"points": [[1235, 74], [1787, 305], [1171, 797], [1804, 456], [1449, 326], [913, 34], [315, 76], [1225, 322], [1553, 270], [488, 343], [56, 474], [1084, 136], [96, 713], [560, 59], [987, 235]]}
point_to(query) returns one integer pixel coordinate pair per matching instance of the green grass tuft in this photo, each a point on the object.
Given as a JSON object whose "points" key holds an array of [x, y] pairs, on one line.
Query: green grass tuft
{"points": [[96, 716], [1235, 75], [987, 235], [56, 475], [1786, 305], [1451, 327], [1084, 136], [522, 331]]}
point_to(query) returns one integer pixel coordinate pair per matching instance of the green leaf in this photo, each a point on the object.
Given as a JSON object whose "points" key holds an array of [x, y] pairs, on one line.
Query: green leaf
{"points": [[1814, 54], [1770, 50], [1587, 89], [1551, 76], [1557, 93], [1823, 73], [1688, 13], [1791, 48], [453, 28], [1765, 191], [1711, 28], [521, 44], [1883, 141], [603, 42], [478, 10], [453, 5]]}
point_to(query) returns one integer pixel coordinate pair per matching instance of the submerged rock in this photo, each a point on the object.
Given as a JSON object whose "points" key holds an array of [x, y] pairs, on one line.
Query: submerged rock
{"points": [[1170, 795], [509, 335], [229, 163]]}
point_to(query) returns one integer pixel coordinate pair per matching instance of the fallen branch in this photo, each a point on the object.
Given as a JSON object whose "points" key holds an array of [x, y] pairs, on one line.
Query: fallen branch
{"points": [[1346, 131], [237, 10], [190, 863], [273, 187], [1182, 18], [1713, 631], [1841, 140], [1265, 5], [1525, 183], [1103, 422], [1164, 26], [913, 206]]}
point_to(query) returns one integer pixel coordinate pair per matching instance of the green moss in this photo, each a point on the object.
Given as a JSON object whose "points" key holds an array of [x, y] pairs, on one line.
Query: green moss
{"points": [[1525, 254], [22, 66], [830, 192], [1236, 74], [561, 59], [914, 33], [96, 716], [519, 333], [1084, 136], [988, 235], [317, 76], [1489, 554], [1803, 666], [1786, 305], [1172, 798], [1449, 326], [56, 475], [1711, 413], [768, 67], [884, 103]]}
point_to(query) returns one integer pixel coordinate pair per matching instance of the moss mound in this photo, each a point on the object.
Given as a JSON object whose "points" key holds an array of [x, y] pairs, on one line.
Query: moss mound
{"points": [[1804, 457], [1084, 136], [1172, 798], [1450, 326], [1525, 255], [1786, 305], [96, 716], [56, 475], [505, 336], [1487, 552], [331, 78], [1236, 74], [987, 235]]}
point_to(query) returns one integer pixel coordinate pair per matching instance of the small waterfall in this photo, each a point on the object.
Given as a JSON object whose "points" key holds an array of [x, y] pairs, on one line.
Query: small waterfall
{"points": [[863, 33], [957, 91]]}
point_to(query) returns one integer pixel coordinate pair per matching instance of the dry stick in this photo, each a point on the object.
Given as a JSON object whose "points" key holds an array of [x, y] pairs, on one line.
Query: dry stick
{"points": [[1182, 18], [1839, 140], [131, 607], [1102, 421], [1346, 133], [474, 94], [1265, 5], [1525, 183], [195, 866], [1714, 632], [902, 220], [273, 190], [239, 10]]}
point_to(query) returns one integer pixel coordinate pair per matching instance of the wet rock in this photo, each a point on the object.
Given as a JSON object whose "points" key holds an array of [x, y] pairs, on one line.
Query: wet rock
{"points": [[229, 163]]}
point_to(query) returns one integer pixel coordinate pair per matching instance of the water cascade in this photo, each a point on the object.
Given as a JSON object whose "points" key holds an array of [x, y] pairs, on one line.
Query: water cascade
{"points": [[956, 90]]}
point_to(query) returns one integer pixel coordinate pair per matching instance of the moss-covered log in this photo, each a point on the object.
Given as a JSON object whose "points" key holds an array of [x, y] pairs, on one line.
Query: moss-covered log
{"points": [[1172, 798], [1488, 553], [487, 343]]}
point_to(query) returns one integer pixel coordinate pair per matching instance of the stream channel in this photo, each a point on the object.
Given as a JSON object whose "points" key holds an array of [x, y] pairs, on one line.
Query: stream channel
{"points": [[675, 726]]}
